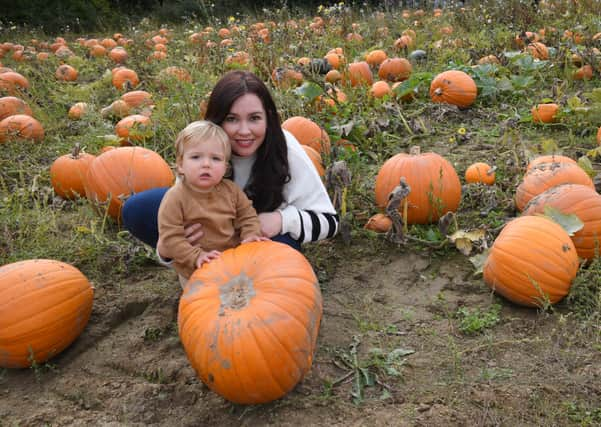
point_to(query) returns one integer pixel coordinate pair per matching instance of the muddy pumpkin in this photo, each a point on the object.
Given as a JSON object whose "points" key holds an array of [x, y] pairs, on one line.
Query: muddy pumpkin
{"points": [[262, 297]]}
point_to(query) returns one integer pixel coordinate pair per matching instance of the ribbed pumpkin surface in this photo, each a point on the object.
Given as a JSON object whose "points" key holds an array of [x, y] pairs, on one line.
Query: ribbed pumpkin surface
{"points": [[435, 186], [249, 321], [454, 87], [580, 200], [532, 260], [547, 175], [118, 173], [44, 307]]}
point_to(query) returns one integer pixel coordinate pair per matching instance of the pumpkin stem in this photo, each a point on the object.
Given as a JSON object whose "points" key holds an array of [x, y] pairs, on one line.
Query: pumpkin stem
{"points": [[415, 150], [237, 293], [76, 150]]}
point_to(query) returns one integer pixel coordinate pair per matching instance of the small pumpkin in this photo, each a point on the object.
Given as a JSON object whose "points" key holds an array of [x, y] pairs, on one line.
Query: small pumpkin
{"points": [[137, 99], [359, 73], [380, 89], [435, 186], [580, 200], [133, 128], [532, 260], [116, 174], [20, 127], [11, 105], [118, 55], [78, 110], [538, 50], [380, 223], [454, 87], [480, 173], [547, 175], [544, 113], [44, 306], [375, 57], [307, 132], [395, 69], [125, 79], [68, 173], [66, 73], [174, 73], [262, 297]]}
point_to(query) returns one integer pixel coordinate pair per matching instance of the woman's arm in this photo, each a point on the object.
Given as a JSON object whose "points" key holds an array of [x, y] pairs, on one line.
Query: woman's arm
{"points": [[308, 214]]}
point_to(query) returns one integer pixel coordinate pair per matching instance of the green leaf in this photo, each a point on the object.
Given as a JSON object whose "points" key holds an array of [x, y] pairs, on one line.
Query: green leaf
{"points": [[522, 81], [585, 163], [309, 90], [569, 222], [574, 102], [594, 95]]}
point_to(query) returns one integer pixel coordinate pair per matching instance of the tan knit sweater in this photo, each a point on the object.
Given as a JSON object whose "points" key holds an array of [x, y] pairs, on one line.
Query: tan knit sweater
{"points": [[226, 214]]}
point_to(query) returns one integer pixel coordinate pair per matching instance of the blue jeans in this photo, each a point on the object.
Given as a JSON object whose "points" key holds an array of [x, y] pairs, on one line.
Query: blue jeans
{"points": [[140, 217]]}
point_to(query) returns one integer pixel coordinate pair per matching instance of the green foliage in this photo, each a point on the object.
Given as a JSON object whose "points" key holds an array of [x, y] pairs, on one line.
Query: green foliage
{"points": [[476, 321], [584, 298]]}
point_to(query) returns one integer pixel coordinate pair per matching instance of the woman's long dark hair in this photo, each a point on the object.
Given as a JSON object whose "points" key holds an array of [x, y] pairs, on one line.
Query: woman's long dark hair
{"points": [[270, 171]]}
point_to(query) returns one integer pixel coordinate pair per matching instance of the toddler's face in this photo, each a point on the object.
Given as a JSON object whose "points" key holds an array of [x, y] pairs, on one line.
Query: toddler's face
{"points": [[203, 164]]}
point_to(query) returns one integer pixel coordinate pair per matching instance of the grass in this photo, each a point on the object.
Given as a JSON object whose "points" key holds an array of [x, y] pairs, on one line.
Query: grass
{"points": [[34, 223]]}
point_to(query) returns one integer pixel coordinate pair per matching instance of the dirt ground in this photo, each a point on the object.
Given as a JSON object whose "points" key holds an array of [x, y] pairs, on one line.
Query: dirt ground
{"points": [[129, 368]]}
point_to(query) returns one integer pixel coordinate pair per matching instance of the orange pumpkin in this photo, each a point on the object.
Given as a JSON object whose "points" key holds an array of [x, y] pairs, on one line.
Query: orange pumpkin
{"points": [[380, 89], [118, 108], [116, 174], [78, 110], [177, 73], [544, 113], [395, 69], [380, 223], [125, 78], [10, 105], [480, 172], [454, 87], [137, 123], [44, 306], [68, 173], [547, 175], [262, 297], [359, 73], [307, 132], [118, 55], [532, 261], [584, 73], [599, 136], [20, 126], [315, 158], [66, 73], [375, 57], [550, 158], [435, 186], [137, 98], [284, 78], [538, 50], [12, 82], [580, 200]]}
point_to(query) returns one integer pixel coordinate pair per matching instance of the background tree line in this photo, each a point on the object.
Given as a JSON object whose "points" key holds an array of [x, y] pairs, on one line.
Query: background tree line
{"points": [[80, 16]]}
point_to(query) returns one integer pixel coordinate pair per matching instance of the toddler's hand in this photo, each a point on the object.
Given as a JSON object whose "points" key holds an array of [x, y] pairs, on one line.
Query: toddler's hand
{"points": [[255, 239], [207, 257]]}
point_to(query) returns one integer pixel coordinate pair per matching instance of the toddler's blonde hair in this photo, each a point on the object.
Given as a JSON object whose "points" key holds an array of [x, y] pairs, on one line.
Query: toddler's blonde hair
{"points": [[202, 131]]}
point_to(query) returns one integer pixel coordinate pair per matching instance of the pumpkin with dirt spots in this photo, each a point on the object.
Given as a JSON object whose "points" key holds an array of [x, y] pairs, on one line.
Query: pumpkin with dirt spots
{"points": [[249, 320]]}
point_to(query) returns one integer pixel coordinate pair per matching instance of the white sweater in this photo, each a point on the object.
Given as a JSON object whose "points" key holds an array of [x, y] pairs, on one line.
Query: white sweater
{"points": [[307, 211]]}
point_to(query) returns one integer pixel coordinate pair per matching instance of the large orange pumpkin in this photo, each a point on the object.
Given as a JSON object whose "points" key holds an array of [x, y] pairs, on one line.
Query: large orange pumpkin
{"points": [[454, 87], [549, 158], [125, 78], [249, 321], [44, 307], [315, 158], [10, 105], [547, 175], [12, 82], [68, 173], [532, 261], [544, 113], [580, 200], [435, 186], [116, 174], [19, 127], [307, 132]]}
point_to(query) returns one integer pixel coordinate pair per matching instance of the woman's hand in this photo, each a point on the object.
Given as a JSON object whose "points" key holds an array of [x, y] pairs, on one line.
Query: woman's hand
{"points": [[271, 223], [207, 257], [193, 233]]}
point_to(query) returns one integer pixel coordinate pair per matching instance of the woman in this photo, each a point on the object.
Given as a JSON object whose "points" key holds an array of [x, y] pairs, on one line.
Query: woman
{"points": [[267, 162]]}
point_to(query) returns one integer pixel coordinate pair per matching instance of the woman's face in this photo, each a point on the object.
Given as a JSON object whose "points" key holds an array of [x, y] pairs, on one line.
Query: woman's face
{"points": [[246, 125]]}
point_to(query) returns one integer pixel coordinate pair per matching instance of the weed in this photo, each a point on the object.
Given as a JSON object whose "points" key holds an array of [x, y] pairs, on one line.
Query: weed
{"points": [[475, 321], [582, 414], [584, 298]]}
